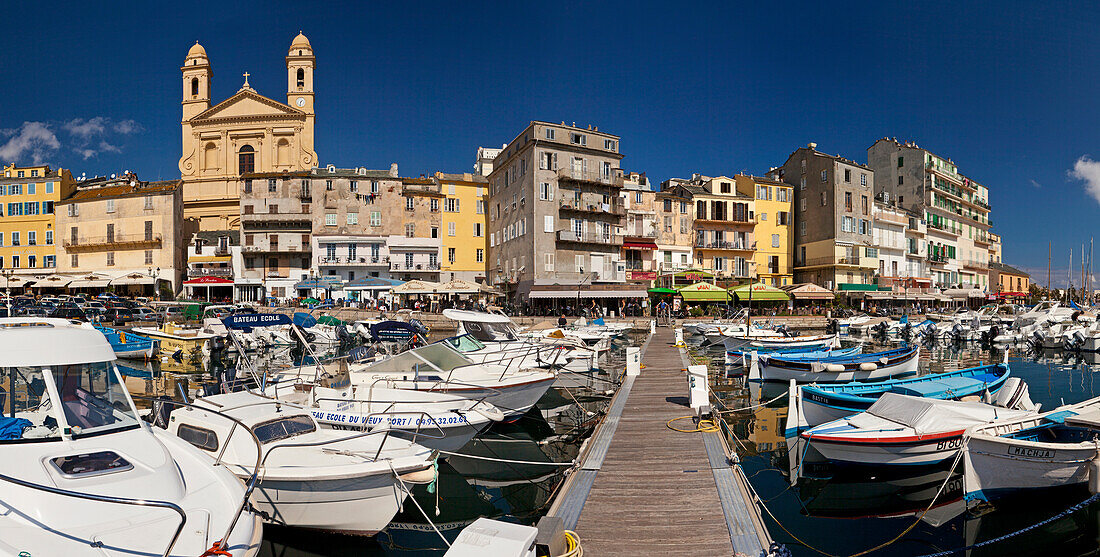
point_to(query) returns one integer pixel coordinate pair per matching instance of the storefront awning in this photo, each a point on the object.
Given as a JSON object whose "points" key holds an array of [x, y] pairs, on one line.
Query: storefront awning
{"points": [[760, 292], [208, 281], [856, 287], [639, 244], [808, 291], [89, 282], [704, 292], [586, 294], [134, 279], [209, 259]]}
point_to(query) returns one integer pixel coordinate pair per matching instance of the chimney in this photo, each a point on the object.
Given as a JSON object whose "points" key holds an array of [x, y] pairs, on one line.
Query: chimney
{"points": [[393, 169], [812, 145]]}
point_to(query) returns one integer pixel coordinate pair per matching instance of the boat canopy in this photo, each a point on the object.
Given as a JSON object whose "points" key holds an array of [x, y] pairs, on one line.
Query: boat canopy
{"points": [[467, 316], [438, 357], [927, 415]]}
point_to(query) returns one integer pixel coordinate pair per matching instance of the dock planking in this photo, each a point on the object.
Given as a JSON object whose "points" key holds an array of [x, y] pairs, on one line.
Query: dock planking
{"points": [[657, 491]]}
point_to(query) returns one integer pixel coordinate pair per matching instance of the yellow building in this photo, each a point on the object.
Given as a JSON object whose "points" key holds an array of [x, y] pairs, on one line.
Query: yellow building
{"points": [[724, 227], [244, 133], [464, 248], [27, 227], [773, 231]]}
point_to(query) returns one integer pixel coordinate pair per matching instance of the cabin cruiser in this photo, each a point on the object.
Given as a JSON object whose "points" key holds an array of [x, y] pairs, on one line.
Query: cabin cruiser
{"points": [[83, 475], [440, 368], [503, 343], [312, 477]]}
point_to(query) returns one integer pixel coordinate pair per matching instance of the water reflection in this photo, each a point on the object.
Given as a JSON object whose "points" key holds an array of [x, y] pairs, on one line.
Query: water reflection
{"points": [[847, 509]]}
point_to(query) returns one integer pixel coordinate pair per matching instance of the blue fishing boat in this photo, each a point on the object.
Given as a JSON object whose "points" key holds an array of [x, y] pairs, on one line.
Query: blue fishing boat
{"points": [[836, 369], [741, 355], [820, 404], [129, 345]]}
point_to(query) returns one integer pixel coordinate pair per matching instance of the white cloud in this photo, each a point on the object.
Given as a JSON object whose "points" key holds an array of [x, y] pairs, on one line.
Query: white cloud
{"points": [[127, 127], [1088, 170], [34, 139], [107, 147], [85, 129], [1036, 184]]}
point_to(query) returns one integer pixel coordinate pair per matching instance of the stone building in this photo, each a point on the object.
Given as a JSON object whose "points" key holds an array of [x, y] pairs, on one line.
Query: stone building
{"points": [[640, 229], [555, 209], [276, 226], [123, 231], [833, 199], [675, 232], [723, 228], [246, 133]]}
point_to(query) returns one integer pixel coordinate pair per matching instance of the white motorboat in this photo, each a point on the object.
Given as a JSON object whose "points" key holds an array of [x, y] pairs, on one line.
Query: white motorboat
{"points": [[440, 368], [520, 355], [836, 369], [82, 475], [1052, 449], [906, 430], [774, 339], [312, 477], [552, 348], [436, 420]]}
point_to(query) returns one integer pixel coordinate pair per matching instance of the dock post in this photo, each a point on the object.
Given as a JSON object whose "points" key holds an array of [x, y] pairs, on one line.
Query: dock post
{"points": [[633, 361], [679, 337]]}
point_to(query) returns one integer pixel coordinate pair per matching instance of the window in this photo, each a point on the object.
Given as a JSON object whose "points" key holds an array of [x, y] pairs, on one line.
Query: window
{"points": [[30, 188], [901, 180], [246, 159], [30, 208], [802, 202], [49, 187], [271, 185], [353, 185], [408, 204], [330, 219], [578, 139], [609, 144], [74, 261], [725, 187], [353, 218], [549, 266], [548, 161], [110, 205], [32, 238], [15, 261], [376, 218], [47, 207], [434, 204], [110, 258], [901, 161], [481, 206], [49, 261], [374, 186], [763, 216], [328, 185], [450, 255], [775, 240], [410, 230], [824, 198], [16, 209], [450, 205], [450, 229], [480, 255], [668, 205], [865, 202], [605, 170], [864, 227], [148, 257], [148, 231], [148, 202], [1, 239], [435, 232], [548, 223], [15, 238], [847, 201], [478, 230], [824, 176], [546, 193], [848, 175]]}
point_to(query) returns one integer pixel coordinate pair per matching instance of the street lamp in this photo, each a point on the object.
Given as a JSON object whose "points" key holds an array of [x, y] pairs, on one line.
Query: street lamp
{"points": [[155, 273], [7, 286]]}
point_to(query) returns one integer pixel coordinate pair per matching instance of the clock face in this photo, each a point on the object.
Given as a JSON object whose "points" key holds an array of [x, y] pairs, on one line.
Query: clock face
{"points": [[300, 102]]}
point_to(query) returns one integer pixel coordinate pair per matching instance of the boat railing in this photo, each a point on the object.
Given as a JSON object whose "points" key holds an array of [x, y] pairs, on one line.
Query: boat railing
{"points": [[250, 485], [109, 499], [385, 432], [492, 391]]}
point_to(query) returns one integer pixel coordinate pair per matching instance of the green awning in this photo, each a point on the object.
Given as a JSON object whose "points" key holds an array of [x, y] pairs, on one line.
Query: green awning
{"points": [[760, 293], [662, 291], [329, 320], [856, 287], [704, 292]]}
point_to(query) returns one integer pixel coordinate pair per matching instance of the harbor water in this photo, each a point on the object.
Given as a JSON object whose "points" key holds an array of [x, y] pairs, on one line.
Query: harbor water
{"points": [[835, 510], [468, 487]]}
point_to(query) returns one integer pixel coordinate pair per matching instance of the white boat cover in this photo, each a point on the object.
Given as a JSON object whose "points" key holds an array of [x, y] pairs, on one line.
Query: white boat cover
{"points": [[475, 316], [927, 416]]}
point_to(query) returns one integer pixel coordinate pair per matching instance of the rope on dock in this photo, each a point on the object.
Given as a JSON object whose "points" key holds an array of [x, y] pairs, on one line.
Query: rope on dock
{"points": [[504, 460], [705, 426]]}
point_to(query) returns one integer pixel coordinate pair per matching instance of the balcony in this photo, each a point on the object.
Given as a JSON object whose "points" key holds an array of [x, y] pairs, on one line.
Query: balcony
{"points": [[615, 179], [944, 228], [983, 239], [616, 207], [383, 261], [589, 237], [425, 267], [258, 218], [723, 245], [976, 264], [225, 272], [743, 219], [931, 167], [114, 242], [276, 248], [305, 196], [430, 189], [939, 258], [851, 261]]}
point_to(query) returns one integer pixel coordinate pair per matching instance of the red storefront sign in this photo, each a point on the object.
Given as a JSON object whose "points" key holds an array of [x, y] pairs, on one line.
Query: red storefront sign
{"points": [[641, 275]]}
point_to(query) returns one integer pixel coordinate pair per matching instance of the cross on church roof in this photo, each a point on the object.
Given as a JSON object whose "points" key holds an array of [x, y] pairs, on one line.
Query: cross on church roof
{"points": [[246, 74]]}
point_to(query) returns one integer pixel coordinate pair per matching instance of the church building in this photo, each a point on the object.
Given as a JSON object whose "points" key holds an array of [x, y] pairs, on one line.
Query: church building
{"points": [[244, 133]]}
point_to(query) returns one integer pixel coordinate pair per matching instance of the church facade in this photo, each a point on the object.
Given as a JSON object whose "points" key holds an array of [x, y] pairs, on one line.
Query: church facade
{"points": [[244, 133]]}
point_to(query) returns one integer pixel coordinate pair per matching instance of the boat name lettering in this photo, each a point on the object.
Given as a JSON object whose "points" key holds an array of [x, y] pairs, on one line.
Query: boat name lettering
{"points": [[949, 444], [1031, 453], [818, 398]]}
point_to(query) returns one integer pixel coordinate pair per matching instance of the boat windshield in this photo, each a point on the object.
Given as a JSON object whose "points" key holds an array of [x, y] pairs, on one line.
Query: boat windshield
{"points": [[283, 428], [465, 343], [490, 332], [433, 357], [92, 399]]}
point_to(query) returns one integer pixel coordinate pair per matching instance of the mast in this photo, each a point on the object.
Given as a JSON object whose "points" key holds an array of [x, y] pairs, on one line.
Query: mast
{"points": [[1048, 267]]}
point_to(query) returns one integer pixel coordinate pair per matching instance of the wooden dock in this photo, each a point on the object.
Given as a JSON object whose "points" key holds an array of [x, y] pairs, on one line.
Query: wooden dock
{"points": [[644, 489]]}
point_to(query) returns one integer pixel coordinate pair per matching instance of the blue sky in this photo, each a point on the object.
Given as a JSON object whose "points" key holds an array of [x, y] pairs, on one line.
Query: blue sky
{"points": [[1006, 91]]}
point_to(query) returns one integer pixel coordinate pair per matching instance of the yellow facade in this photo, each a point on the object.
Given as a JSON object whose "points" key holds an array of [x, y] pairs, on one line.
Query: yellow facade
{"points": [[244, 133], [464, 246], [774, 230], [27, 224]]}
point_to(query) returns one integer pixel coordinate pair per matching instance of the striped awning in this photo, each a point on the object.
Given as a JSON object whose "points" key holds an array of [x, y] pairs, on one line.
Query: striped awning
{"points": [[586, 294]]}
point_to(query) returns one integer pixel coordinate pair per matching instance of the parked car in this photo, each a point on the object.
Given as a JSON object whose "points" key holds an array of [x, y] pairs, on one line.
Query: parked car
{"points": [[118, 316], [92, 314], [33, 311], [69, 313], [145, 314], [142, 300], [94, 304], [170, 313]]}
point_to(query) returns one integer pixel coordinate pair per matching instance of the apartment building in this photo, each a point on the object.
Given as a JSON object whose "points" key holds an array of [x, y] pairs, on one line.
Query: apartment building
{"points": [[124, 230], [675, 234], [483, 163], [773, 229], [723, 227], [465, 243], [354, 213], [955, 207], [640, 230], [555, 209], [1005, 279], [276, 226], [833, 199], [414, 252], [28, 195]]}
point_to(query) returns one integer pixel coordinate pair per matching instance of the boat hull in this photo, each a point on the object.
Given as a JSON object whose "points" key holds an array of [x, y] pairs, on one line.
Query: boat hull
{"points": [[776, 373], [360, 505], [457, 428], [1033, 465], [917, 450]]}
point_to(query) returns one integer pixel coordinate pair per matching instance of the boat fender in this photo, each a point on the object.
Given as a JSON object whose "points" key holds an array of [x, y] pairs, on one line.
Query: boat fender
{"points": [[491, 413], [868, 366], [884, 360], [1094, 473], [425, 476], [834, 367]]}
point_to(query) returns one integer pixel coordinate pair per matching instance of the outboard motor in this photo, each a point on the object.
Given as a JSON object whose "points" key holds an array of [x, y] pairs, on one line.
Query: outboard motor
{"points": [[832, 327], [1014, 396], [420, 327], [881, 329], [1073, 342], [342, 334], [217, 344], [957, 333]]}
